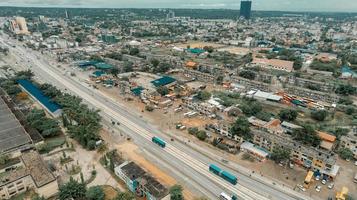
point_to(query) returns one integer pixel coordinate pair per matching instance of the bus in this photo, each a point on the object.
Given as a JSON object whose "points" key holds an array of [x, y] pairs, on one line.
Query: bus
{"points": [[158, 141], [308, 178], [229, 177], [223, 174]]}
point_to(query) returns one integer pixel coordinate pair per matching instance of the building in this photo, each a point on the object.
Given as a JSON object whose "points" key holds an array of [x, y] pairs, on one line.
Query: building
{"points": [[141, 183], [13, 137], [257, 151], [275, 64], [350, 142], [328, 141], [201, 107], [245, 9], [29, 172], [51, 107], [18, 25], [289, 127]]}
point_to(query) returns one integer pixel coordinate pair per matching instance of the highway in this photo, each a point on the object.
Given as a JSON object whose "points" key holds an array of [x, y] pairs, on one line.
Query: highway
{"points": [[189, 163]]}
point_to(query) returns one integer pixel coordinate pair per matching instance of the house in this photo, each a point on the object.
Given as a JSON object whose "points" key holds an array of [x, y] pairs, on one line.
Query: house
{"points": [[129, 172], [257, 151], [191, 65], [275, 64], [328, 141], [289, 127]]}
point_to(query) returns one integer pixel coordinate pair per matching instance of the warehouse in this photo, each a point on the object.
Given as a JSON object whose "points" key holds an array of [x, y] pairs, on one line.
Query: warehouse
{"points": [[164, 81], [51, 107]]}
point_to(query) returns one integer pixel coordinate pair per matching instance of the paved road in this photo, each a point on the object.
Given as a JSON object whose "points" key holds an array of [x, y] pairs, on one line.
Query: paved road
{"points": [[187, 161]]}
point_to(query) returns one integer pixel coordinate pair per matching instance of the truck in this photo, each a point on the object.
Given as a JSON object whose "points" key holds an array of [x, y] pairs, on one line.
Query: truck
{"points": [[223, 174], [158, 141]]}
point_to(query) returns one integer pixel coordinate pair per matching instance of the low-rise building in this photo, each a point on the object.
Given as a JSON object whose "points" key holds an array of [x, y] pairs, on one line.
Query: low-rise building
{"points": [[275, 64], [30, 173], [350, 142]]}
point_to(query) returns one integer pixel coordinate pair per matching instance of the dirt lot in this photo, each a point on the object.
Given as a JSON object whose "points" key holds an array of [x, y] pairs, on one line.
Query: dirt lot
{"points": [[195, 44], [110, 192]]}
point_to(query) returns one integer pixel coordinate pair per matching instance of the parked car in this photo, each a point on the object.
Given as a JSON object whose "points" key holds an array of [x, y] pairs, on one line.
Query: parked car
{"points": [[318, 188], [331, 185], [301, 187], [317, 178], [324, 181]]}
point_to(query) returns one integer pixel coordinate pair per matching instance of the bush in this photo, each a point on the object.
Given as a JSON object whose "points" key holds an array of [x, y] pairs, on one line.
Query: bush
{"points": [[319, 115], [95, 193], [203, 95], [288, 115], [201, 135], [346, 154], [149, 108], [192, 130]]}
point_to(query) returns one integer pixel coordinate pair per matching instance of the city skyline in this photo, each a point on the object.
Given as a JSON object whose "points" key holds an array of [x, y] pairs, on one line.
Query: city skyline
{"points": [[273, 5]]}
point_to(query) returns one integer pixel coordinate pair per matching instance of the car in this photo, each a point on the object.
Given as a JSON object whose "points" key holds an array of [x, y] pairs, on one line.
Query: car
{"points": [[331, 185], [356, 163], [317, 178], [324, 181], [318, 188]]}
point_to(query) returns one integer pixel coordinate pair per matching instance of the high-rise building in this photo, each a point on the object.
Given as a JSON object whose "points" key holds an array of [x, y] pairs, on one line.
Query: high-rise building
{"points": [[19, 26], [245, 9]]}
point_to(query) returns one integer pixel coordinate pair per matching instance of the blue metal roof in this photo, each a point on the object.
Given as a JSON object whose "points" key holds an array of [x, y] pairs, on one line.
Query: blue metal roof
{"points": [[38, 94], [98, 73], [163, 81], [87, 63], [103, 65], [137, 91]]}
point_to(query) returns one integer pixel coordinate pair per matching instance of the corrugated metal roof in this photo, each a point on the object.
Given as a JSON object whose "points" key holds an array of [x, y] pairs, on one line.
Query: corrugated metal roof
{"points": [[165, 80], [38, 94]]}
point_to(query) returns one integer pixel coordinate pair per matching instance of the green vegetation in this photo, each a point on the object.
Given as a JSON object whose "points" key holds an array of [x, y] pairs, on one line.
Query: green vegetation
{"points": [[247, 74], [307, 135], [51, 143], [288, 115], [241, 127], [82, 123], [250, 107], [346, 154], [72, 189], [227, 98], [321, 66], [134, 51], [319, 115], [115, 56], [162, 67], [346, 90], [128, 66], [200, 134], [280, 154], [46, 126], [162, 90], [176, 192], [124, 196], [203, 95], [95, 193]]}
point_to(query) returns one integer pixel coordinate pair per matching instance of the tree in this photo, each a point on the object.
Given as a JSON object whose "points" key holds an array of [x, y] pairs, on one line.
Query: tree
{"points": [[280, 154], [155, 62], [162, 90], [114, 71], [4, 158], [124, 196], [72, 189], [95, 193], [219, 79], [319, 115], [346, 90], [209, 49], [37, 197], [346, 154], [176, 192], [307, 135], [203, 95], [201, 135], [297, 64], [46, 126], [128, 66], [288, 115], [192, 130], [134, 51], [247, 74], [250, 107], [241, 127], [162, 67]]}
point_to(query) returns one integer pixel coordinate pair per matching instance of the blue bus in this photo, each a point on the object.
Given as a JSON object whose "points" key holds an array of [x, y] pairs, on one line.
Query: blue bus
{"points": [[223, 174], [158, 141]]}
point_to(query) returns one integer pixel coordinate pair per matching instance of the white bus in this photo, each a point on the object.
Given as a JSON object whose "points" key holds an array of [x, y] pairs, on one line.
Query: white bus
{"points": [[224, 196]]}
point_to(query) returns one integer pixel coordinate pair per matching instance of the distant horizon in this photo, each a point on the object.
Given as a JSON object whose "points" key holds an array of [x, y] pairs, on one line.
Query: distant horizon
{"points": [[334, 6], [82, 7]]}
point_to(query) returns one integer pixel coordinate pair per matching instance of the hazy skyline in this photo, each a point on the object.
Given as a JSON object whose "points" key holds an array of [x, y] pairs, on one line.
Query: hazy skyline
{"points": [[283, 5]]}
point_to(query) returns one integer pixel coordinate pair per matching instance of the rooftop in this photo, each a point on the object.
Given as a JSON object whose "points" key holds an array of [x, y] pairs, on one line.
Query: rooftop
{"points": [[165, 80], [153, 186], [133, 171], [12, 134], [38, 94]]}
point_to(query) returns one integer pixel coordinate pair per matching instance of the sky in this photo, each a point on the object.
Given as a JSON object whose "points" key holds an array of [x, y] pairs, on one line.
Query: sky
{"points": [[281, 5]]}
